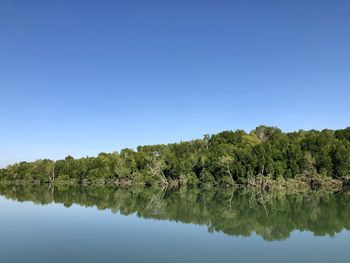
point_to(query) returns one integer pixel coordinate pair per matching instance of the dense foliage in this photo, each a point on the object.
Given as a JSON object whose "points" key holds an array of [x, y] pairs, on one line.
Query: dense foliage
{"points": [[226, 158]]}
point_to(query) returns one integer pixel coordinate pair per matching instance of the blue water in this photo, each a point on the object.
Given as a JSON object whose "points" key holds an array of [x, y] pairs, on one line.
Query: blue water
{"points": [[54, 233]]}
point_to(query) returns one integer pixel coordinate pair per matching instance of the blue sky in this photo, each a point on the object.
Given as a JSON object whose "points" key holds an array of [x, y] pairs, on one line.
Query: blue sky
{"points": [[83, 77]]}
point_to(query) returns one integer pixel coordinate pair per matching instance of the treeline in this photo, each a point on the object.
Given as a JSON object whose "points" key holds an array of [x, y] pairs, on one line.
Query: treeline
{"points": [[264, 155], [233, 212]]}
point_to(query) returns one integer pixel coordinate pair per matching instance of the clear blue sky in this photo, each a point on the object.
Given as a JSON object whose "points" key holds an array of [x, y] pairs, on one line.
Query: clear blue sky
{"points": [[82, 77]]}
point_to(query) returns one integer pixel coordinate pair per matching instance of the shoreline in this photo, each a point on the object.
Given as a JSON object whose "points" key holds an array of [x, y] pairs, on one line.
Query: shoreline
{"points": [[259, 184]]}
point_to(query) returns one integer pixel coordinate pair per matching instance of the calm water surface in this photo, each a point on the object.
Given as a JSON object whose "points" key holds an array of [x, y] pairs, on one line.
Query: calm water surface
{"points": [[100, 224]]}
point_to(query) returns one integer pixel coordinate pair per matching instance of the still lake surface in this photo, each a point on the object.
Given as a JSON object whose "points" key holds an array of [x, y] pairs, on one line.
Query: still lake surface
{"points": [[108, 224]]}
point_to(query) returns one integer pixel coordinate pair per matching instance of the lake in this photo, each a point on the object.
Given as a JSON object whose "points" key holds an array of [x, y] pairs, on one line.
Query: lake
{"points": [[110, 224]]}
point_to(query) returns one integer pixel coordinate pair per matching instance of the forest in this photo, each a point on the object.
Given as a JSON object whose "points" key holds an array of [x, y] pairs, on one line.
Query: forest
{"points": [[265, 158]]}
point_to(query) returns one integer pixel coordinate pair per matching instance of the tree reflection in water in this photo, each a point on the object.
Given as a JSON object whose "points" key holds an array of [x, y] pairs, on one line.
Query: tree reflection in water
{"points": [[235, 213]]}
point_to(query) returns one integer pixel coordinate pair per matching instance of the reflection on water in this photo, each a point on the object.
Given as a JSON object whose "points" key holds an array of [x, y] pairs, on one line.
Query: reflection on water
{"points": [[235, 213]]}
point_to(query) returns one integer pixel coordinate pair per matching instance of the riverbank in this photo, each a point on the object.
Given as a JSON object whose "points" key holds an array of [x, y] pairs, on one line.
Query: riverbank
{"points": [[258, 184], [265, 159]]}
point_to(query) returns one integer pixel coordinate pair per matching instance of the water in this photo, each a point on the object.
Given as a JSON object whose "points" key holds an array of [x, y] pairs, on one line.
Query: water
{"points": [[107, 224]]}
